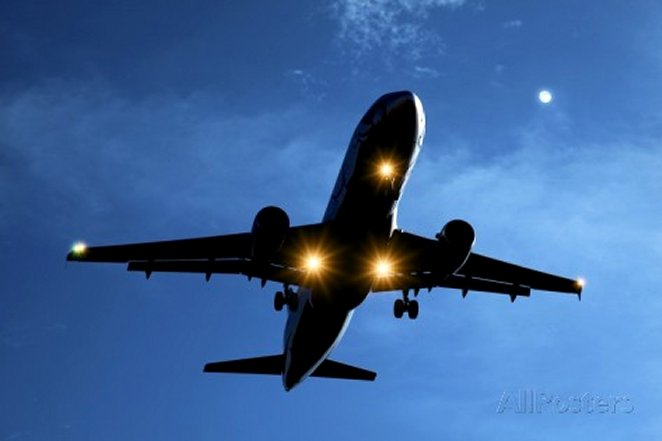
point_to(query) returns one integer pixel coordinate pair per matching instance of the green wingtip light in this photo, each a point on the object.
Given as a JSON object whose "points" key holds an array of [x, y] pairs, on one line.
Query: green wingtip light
{"points": [[78, 249]]}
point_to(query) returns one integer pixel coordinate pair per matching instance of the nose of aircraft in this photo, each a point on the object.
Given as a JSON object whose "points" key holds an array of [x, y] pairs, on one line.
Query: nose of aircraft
{"points": [[396, 99], [398, 117], [404, 98], [404, 104]]}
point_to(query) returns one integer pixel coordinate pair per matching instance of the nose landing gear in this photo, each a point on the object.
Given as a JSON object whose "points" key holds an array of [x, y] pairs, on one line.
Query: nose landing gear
{"points": [[288, 297]]}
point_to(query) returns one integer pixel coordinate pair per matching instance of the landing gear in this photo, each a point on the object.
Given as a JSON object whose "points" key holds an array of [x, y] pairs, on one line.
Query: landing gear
{"points": [[288, 298], [405, 305], [412, 309], [398, 308], [279, 301]]}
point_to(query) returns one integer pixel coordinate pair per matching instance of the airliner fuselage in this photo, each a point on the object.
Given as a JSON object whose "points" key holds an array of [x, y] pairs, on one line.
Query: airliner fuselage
{"points": [[363, 210]]}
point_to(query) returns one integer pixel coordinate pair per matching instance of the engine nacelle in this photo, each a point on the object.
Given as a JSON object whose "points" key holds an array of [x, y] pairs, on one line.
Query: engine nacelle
{"points": [[268, 233], [455, 239]]}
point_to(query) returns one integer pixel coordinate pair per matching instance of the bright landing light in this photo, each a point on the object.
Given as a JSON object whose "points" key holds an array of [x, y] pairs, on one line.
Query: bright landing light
{"points": [[386, 170], [581, 282], [313, 263], [383, 268], [545, 96]]}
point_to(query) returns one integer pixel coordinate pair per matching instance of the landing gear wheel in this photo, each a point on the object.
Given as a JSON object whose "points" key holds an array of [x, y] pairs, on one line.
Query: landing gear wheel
{"points": [[279, 301], [412, 309], [398, 308]]}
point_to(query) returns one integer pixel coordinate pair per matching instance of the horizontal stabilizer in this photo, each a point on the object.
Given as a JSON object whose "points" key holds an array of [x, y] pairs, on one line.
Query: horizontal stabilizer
{"points": [[334, 369], [273, 365], [269, 365]]}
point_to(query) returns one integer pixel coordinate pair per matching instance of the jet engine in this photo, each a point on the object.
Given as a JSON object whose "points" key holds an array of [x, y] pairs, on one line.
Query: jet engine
{"points": [[455, 240], [270, 227]]}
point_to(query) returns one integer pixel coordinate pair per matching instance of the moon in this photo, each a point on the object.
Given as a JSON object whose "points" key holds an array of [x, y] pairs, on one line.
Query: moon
{"points": [[545, 96]]}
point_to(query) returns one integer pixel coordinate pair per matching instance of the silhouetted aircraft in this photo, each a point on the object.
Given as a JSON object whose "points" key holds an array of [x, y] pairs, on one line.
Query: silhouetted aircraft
{"points": [[329, 268]]}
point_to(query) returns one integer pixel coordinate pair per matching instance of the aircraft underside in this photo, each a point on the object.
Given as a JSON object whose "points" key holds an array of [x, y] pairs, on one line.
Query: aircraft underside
{"points": [[327, 269]]}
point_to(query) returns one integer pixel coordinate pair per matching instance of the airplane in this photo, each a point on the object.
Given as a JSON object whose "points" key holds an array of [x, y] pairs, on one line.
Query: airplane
{"points": [[327, 269]]}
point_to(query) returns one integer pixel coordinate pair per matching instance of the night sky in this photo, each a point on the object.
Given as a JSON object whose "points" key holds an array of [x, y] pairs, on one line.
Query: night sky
{"points": [[133, 121]]}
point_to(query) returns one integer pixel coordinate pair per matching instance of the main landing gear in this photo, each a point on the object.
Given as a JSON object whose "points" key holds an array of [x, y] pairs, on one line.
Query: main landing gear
{"points": [[288, 297], [405, 305]]}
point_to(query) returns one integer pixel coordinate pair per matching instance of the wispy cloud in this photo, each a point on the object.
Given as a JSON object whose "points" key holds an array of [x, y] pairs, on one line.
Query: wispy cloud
{"points": [[74, 151], [310, 85], [425, 72], [589, 194], [390, 26], [556, 204], [510, 24]]}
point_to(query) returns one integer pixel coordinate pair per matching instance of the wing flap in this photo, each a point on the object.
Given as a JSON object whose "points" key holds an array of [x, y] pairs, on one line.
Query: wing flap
{"points": [[466, 284], [287, 276]]}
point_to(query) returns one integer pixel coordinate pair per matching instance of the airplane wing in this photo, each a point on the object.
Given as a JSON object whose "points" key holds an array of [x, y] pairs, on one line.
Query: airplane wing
{"points": [[225, 254], [213, 247], [415, 269]]}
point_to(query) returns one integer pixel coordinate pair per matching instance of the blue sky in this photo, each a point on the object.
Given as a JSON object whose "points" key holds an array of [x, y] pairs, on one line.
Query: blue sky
{"points": [[128, 121]]}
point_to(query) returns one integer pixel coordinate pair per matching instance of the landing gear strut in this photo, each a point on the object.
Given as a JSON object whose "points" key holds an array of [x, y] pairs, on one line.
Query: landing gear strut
{"points": [[405, 305], [288, 298]]}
